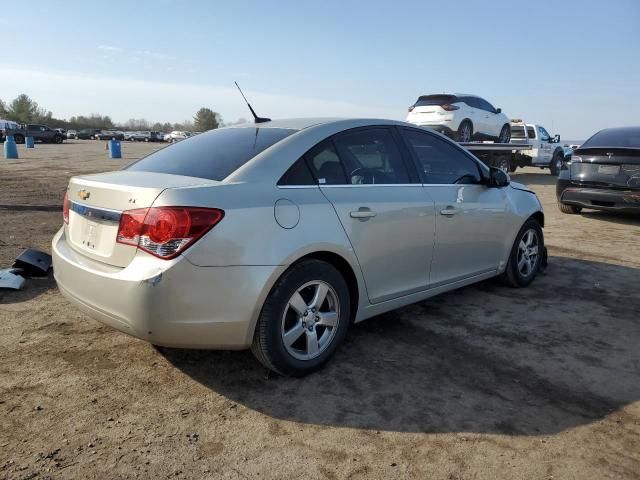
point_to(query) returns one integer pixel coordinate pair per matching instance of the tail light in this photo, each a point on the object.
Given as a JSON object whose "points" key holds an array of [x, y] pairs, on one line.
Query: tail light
{"points": [[65, 208], [411, 108], [165, 232], [449, 108], [576, 159]]}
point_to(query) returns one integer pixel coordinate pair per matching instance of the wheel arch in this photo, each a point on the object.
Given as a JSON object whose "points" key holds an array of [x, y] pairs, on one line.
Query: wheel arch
{"points": [[345, 269], [539, 216], [338, 261]]}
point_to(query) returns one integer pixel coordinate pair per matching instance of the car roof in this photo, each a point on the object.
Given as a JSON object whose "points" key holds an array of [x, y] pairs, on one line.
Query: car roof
{"points": [[304, 123]]}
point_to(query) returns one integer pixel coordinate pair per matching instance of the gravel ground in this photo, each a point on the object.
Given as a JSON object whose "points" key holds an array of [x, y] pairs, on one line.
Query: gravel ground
{"points": [[485, 382]]}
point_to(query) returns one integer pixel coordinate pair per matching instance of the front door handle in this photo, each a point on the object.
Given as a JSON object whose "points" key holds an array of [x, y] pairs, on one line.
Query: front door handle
{"points": [[363, 213], [449, 211]]}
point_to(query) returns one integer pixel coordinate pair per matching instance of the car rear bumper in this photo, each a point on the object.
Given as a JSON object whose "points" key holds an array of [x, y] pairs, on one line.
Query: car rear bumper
{"points": [[599, 198], [170, 303]]}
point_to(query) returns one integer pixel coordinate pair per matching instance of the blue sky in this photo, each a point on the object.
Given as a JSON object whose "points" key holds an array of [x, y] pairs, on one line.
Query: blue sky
{"points": [[573, 66]]}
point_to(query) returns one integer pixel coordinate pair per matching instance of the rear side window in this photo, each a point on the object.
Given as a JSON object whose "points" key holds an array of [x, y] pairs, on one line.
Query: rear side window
{"points": [[213, 155], [517, 131], [441, 162], [326, 165], [371, 156]]}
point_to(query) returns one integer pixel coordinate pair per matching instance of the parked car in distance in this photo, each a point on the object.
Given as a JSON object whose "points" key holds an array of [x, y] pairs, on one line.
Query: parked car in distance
{"points": [[176, 136], [40, 133], [108, 135], [462, 117], [87, 133], [71, 134], [7, 127], [277, 236], [603, 173]]}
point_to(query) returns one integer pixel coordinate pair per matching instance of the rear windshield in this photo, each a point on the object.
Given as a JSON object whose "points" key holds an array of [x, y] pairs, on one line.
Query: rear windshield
{"points": [[615, 137], [213, 155], [427, 100], [517, 131]]}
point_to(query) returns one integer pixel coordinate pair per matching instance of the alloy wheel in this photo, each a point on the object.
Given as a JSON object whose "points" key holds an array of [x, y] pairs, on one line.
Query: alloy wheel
{"points": [[310, 320], [528, 253]]}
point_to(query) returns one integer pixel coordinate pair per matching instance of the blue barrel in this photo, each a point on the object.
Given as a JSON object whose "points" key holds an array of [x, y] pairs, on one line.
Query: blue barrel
{"points": [[114, 149], [29, 142], [10, 147]]}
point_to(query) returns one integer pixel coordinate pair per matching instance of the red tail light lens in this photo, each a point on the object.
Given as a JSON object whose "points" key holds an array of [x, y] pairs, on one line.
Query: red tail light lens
{"points": [[165, 232], [65, 208], [449, 108]]}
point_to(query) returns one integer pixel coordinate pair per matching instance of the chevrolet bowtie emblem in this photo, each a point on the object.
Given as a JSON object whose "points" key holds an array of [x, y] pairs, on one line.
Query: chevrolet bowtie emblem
{"points": [[83, 194]]}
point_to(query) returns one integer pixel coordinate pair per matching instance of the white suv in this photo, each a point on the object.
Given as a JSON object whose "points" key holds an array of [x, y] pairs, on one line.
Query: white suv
{"points": [[461, 116]]}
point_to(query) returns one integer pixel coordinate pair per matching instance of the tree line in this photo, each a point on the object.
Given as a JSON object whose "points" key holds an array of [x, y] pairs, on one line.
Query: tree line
{"points": [[23, 109]]}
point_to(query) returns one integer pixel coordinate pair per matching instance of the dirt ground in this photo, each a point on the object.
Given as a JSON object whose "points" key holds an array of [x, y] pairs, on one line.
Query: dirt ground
{"points": [[482, 383]]}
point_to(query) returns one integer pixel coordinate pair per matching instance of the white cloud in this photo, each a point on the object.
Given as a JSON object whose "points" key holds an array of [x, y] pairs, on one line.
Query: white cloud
{"points": [[68, 94], [109, 48]]}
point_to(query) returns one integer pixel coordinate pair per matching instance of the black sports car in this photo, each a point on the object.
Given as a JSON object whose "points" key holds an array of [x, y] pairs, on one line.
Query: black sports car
{"points": [[603, 173]]}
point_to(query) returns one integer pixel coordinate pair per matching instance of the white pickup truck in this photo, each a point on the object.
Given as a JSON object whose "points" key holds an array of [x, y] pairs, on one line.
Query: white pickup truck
{"points": [[545, 151]]}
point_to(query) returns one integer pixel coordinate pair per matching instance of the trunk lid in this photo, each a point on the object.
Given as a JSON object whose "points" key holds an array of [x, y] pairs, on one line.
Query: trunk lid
{"points": [[96, 202], [613, 167]]}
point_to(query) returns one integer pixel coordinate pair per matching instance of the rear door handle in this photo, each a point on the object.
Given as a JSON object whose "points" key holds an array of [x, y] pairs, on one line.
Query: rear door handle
{"points": [[449, 211], [362, 213]]}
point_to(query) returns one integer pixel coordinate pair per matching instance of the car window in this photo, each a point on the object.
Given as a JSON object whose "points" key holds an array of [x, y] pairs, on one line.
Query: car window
{"points": [[326, 165], [614, 137], [213, 155], [484, 105], [440, 161], [298, 174], [471, 101], [371, 156], [544, 136]]}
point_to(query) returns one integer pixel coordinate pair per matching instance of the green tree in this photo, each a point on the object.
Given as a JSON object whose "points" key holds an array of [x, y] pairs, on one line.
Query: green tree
{"points": [[3, 109], [206, 119], [23, 110]]}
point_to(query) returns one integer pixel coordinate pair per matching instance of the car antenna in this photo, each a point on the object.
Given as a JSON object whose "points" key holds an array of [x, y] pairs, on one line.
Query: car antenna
{"points": [[256, 118]]}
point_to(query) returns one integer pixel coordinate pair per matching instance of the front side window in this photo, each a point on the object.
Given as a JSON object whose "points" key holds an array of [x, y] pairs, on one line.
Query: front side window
{"points": [[544, 136], [213, 155], [371, 156], [440, 161]]}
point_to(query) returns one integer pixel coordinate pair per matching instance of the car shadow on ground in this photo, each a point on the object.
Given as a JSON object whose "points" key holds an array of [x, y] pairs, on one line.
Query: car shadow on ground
{"points": [[614, 217], [486, 358], [542, 178]]}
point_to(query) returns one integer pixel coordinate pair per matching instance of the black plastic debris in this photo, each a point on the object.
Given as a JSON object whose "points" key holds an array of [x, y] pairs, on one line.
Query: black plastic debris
{"points": [[34, 263], [10, 279]]}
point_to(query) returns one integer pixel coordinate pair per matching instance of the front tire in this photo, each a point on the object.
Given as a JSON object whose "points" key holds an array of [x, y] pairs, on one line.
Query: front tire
{"points": [[571, 209], [526, 255], [465, 132], [19, 139], [57, 139], [304, 319], [556, 164]]}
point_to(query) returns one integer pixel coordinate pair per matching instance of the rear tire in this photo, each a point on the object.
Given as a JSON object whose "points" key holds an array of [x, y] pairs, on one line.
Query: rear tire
{"points": [[57, 139], [19, 138], [297, 334], [571, 209], [526, 255], [465, 132], [505, 134], [512, 167], [556, 163]]}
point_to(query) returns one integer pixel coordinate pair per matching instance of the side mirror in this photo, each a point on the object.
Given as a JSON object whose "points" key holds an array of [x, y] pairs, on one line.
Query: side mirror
{"points": [[498, 110], [556, 139], [498, 178]]}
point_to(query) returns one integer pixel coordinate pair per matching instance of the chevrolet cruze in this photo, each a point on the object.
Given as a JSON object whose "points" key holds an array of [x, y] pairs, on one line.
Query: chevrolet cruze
{"points": [[277, 236]]}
